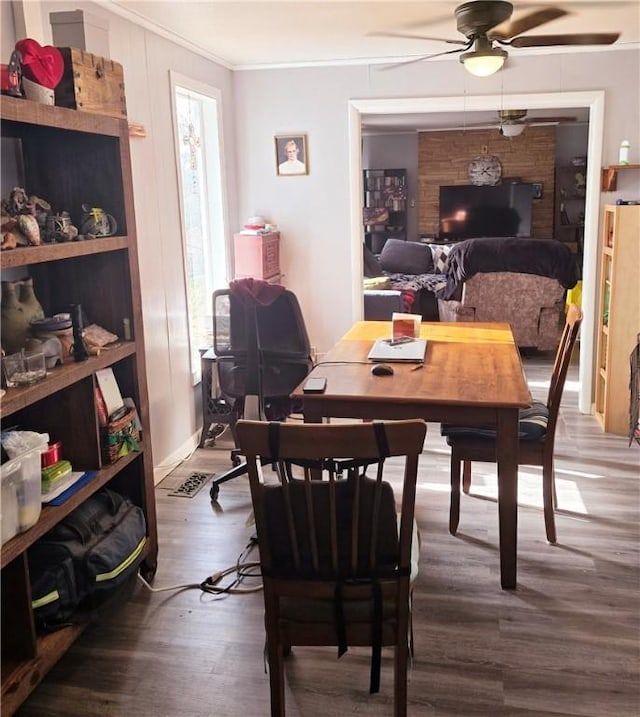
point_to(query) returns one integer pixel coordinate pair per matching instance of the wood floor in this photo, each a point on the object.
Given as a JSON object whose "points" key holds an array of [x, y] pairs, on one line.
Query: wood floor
{"points": [[566, 642]]}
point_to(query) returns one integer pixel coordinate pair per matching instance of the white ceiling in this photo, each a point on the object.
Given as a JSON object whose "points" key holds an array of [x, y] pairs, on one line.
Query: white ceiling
{"points": [[246, 34]]}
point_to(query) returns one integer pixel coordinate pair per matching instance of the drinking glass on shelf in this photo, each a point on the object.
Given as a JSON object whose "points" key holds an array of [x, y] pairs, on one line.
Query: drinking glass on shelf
{"points": [[21, 369]]}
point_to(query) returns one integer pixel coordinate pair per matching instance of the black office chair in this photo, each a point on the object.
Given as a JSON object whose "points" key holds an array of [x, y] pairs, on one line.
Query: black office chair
{"points": [[262, 353]]}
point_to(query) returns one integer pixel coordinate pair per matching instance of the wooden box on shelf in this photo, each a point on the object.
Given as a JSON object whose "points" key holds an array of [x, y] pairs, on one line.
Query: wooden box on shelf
{"points": [[618, 318], [70, 158], [91, 83], [256, 255]]}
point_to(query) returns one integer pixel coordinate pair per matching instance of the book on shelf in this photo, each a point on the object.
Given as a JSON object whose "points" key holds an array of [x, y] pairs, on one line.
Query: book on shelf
{"points": [[110, 391]]}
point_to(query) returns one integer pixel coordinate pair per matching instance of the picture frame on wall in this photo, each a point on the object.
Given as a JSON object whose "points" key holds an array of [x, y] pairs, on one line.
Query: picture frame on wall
{"points": [[292, 158]]}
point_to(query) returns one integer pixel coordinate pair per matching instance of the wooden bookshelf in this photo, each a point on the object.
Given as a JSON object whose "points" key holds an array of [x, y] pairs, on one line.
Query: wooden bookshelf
{"points": [[69, 158], [385, 190], [618, 319]]}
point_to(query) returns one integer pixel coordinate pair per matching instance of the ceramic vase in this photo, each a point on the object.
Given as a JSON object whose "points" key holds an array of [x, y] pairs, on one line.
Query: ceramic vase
{"points": [[20, 307]]}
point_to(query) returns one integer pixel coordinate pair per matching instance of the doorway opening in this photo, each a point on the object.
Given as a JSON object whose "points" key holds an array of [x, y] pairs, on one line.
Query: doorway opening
{"points": [[592, 100]]}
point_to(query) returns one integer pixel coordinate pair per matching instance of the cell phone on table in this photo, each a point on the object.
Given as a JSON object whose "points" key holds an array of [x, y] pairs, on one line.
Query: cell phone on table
{"points": [[401, 340], [317, 384]]}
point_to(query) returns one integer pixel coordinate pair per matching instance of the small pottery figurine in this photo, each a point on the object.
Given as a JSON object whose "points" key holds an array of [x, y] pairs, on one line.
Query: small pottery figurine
{"points": [[9, 228], [28, 225], [97, 222], [9, 239], [41, 209], [23, 219], [19, 308], [60, 228], [17, 201]]}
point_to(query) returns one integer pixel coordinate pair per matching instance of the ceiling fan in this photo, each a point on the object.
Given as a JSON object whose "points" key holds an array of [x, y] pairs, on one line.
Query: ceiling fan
{"points": [[487, 22], [512, 123]]}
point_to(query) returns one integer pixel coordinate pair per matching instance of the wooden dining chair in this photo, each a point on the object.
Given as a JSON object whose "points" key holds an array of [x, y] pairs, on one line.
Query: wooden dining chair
{"points": [[337, 557], [537, 430]]}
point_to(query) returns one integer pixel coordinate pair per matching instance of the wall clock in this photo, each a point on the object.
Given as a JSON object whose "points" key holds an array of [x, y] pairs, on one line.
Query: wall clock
{"points": [[485, 169]]}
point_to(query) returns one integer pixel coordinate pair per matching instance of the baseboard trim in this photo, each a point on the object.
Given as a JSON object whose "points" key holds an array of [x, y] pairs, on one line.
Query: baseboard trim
{"points": [[174, 459]]}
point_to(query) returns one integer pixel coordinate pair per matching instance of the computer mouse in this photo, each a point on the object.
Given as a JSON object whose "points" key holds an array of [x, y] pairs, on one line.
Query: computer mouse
{"points": [[382, 369]]}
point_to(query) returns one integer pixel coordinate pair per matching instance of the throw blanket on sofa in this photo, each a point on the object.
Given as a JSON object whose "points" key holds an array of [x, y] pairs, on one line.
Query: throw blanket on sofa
{"points": [[411, 284], [527, 256], [415, 282]]}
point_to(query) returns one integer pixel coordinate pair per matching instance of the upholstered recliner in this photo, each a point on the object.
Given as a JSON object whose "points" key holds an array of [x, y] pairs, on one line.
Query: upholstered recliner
{"points": [[532, 304], [513, 280]]}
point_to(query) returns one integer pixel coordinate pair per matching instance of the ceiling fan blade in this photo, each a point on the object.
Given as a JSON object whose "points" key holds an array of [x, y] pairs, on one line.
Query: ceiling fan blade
{"points": [[594, 38], [409, 36], [427, 22], [511, 28], [544, 120], [480, 125], [424, 57], [521, 116]]}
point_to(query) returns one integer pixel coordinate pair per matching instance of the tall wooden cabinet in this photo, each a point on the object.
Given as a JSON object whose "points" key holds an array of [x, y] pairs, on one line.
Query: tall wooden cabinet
{"points": [[618, 316], [69, 158]]}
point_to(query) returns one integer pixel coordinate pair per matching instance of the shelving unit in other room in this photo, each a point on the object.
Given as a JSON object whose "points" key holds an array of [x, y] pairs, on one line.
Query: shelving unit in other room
{"points": [[385, 206], [569, 208]]}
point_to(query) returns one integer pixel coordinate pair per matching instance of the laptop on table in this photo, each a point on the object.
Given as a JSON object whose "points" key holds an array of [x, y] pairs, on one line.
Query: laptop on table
{"points": [[388, 351]]}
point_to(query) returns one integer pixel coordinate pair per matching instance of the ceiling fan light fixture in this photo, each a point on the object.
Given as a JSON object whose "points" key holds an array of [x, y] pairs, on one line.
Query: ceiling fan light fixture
{"points": [[513, 129], [484, 62]]}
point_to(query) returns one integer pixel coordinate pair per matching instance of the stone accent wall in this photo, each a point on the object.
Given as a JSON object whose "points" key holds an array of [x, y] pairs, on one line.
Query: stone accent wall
{"points": [[443, 158]]}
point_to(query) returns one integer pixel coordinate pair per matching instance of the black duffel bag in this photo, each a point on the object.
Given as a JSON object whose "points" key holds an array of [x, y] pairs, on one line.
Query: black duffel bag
{"points": [[85, 559]]}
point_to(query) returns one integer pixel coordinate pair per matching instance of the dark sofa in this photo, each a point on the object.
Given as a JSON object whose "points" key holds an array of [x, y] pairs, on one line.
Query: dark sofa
{"points": [[412, 268], [514, 280]]}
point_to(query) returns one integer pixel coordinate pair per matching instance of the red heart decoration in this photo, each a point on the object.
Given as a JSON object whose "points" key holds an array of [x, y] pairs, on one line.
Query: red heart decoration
{"points": [[41, 64]]}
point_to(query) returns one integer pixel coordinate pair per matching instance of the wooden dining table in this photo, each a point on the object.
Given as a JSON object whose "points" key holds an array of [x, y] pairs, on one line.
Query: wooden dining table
{"points": [[472, 375]]}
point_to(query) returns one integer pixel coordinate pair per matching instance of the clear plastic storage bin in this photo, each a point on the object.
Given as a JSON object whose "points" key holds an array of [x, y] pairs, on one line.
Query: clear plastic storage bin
{"points": [[21, 494]]}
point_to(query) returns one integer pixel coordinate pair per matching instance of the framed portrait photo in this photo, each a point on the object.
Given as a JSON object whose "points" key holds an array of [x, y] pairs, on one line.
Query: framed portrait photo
{"points": [[292, 156]]}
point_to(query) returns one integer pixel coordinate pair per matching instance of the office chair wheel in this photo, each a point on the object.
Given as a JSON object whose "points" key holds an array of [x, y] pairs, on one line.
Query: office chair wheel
{"points": [[235, 458], [214, 492]]}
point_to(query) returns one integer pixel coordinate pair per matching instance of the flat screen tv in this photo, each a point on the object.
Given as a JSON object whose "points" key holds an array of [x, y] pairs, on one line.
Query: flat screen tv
{"points": [[468, 211]]}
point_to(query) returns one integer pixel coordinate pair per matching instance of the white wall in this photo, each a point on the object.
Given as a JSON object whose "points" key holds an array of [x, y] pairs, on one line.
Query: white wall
{"points": [[316, 101], [7, 34], [314, 211], [147, 59], [571, 141]]}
